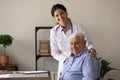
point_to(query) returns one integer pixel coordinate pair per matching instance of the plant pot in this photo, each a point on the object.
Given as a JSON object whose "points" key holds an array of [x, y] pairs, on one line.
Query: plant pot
{"points": [[4, 60]]}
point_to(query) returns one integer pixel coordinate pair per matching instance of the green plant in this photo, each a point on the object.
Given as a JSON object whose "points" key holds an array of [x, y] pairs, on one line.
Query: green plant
{"points": [[5, 40], [105, 68]]}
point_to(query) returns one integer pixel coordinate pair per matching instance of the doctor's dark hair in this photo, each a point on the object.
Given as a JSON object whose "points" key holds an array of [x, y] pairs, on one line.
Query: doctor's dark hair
{"points": [[57, 6]]}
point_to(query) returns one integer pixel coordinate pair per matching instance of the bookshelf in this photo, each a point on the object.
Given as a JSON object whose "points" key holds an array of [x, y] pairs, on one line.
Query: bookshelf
{"points": [[40, 32]]}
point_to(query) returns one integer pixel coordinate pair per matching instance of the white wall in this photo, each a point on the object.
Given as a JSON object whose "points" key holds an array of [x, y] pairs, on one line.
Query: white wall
{"points": [[101, 18]]}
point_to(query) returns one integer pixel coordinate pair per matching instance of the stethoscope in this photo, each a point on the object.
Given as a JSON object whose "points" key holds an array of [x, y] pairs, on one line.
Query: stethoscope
{"points": [[71, 25]]}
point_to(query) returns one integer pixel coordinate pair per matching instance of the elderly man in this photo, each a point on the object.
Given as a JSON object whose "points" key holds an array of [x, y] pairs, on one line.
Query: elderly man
{"points": [[80, 65]]}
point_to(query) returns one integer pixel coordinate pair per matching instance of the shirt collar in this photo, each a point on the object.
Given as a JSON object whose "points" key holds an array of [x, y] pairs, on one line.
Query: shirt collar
{"points": [[80, 53], [63, 29], [57, 26]]}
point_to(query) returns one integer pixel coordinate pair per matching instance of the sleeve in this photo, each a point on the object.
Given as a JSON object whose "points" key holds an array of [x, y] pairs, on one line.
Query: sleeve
{"points": [[87, 69], [96, 68], [89, 43], [55, 51]]}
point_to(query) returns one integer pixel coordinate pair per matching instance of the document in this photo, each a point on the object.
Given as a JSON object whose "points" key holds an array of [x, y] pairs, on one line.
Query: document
{"points": [[31, 72]]}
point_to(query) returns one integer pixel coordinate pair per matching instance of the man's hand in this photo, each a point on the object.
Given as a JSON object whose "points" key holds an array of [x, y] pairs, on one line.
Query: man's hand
{"points": [[92, 52]]}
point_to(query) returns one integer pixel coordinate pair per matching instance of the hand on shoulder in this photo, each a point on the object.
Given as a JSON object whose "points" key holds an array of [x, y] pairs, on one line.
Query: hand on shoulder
{"points": [[92, 52]]}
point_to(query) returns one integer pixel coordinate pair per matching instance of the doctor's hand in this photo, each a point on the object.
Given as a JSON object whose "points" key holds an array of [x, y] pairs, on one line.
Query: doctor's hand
{"points": [[92, 52]]}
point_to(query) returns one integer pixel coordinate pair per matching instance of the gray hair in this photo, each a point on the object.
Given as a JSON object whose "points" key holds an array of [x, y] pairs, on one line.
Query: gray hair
{"points": [[76, 34]]}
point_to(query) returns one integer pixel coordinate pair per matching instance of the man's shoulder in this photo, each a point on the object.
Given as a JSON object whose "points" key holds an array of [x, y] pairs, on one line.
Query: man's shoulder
{"points": [[86, 54]]}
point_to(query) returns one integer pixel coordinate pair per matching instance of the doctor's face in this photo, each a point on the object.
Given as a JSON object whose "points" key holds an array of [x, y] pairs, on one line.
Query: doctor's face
{"points": [[61, 17]]}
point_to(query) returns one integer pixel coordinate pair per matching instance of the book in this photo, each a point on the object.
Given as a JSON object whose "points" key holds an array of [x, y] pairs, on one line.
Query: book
{"points": [[44, 47]]}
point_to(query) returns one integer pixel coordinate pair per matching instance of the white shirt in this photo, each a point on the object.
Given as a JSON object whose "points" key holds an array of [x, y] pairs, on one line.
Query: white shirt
{"points": [[59, 42]]}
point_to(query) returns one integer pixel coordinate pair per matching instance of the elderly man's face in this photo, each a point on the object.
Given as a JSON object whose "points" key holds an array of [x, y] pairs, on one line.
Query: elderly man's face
{"points": [[76, 45]]}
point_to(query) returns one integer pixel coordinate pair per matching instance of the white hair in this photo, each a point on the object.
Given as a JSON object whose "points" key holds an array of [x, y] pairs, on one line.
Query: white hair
{"points": [[76, 34]]}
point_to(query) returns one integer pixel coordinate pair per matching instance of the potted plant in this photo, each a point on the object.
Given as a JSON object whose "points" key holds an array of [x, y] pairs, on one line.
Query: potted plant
{"points": [[105, 68], [5, 40]]}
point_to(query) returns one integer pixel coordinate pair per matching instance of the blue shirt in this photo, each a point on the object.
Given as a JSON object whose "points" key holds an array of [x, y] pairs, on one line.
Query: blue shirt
{"points": [[80, 67]]}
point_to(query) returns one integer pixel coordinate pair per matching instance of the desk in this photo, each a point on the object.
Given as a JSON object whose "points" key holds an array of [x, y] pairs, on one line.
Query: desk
{"points": [[34, 78], [25, 75]]}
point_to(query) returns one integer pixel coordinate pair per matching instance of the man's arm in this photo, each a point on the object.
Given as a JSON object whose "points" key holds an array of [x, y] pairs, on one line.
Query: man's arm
{"points": [[87, 69]]}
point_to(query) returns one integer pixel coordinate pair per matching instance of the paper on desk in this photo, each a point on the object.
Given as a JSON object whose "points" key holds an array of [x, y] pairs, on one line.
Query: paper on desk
{"points": [[6, 72], [32, 72]]}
